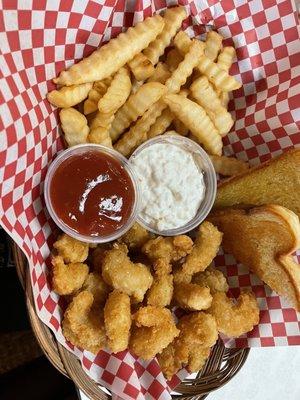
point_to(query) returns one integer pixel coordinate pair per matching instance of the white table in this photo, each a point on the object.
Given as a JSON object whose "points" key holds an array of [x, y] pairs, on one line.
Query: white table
{"points": [[270, 373]]}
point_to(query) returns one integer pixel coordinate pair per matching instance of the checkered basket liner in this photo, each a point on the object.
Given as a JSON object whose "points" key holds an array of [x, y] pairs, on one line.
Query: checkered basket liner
{"points": [[39, 38]]}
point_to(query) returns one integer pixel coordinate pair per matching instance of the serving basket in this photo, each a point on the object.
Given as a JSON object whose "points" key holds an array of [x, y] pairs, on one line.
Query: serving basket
{"points": [[221, 366]]}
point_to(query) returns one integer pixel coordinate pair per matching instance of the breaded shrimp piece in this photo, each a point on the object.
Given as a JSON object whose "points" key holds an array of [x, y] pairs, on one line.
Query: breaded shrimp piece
{"points": [[146, 342], [72, 250], [161, 292], [117, 319], [95, 284], [192, 297], [122, 274], [204, 250], [83, 325], [67, 278], [162, 266], [198, 332], [169, 248], [181, 277], [98, 255], [197, 358], [136, 237], [212, 278], [197, 329], [168, 363], [152, 316], [235, 319]]}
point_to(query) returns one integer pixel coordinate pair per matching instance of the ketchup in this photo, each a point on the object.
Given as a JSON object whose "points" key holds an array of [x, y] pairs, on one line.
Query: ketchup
{"points": [[92, 193]]}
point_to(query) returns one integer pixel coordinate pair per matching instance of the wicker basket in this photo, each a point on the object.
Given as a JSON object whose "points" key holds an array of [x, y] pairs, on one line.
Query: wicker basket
{"points": [[222, 365]]}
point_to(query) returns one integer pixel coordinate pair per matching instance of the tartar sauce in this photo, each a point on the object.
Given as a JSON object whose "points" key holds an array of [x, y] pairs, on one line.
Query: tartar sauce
{"points": [[172, 185]]}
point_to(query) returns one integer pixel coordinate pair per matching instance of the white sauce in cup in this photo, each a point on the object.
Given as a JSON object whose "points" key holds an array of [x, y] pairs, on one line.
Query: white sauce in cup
{"points": [[172, 185]]}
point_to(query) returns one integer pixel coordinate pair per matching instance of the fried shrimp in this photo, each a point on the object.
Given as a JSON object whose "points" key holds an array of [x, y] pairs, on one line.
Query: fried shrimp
{"points": [[162, 266], [204, 250], [122, 274], [168, 363], [95, 284], [198, 332], [168, 248], [136, 237], [234, 320], [72, 250], [67, 278], [161, 292], [152, 316], [117, 319], [191, 296], [212, 278], [83, 325]]}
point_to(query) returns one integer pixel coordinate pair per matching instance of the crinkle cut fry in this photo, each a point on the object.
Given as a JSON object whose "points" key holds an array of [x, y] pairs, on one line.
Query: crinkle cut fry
{"points": [[173, 19], [136, 105], [69, 96], [198, 122], [214, 73], [138, 133], [74, 126], [109, 58]]}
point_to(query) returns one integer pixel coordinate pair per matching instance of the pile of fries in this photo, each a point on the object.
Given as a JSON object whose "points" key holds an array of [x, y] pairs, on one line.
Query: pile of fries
{"points": [[148, 80], [121, 296]]}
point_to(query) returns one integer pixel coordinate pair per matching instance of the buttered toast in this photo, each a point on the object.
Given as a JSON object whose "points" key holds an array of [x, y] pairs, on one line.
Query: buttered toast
{"points": [[263, 238], [274, 182]]}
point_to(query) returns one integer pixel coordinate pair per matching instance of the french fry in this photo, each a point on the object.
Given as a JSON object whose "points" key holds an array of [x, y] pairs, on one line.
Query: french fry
{"points": [[228, 166], [161, 73], [198, 122], [213, 45], [182, 42], [138, 132], [141, 67], [226, 58], [161, 124], [99, 129], [185, 68], [224, 97], [135, 85], [102, 119], [179, 126], [225, 61], [74, 126], [69, 96], [117, 92], [109, 58], [205, 95], [100, 135], [173, 19], [173, 59], [135, 106], [218, 77], [98, 90], [173, 84]]}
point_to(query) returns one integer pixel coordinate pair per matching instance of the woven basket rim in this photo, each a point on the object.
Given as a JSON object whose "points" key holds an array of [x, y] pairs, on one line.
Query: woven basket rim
{"points": [[221, 366]]}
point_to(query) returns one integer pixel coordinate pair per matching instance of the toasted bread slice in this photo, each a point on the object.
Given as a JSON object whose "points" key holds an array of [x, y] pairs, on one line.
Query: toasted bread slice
{"points": [[275, 182], [263, 239]]}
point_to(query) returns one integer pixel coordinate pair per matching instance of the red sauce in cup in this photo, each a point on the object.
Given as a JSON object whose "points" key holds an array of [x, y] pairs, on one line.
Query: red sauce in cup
{"points": [[92, 193]]}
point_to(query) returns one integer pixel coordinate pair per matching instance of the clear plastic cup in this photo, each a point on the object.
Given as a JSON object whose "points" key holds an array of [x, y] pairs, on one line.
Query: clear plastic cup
{"points": [[204, 164], [81, 149]]}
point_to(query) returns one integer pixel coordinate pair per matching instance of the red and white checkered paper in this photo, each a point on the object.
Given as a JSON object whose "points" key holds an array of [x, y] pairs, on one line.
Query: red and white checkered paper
{"points": [[38, 39]]}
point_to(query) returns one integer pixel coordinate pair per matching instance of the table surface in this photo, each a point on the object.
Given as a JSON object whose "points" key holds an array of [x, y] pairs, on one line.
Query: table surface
{"points": [[270, 373]]}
